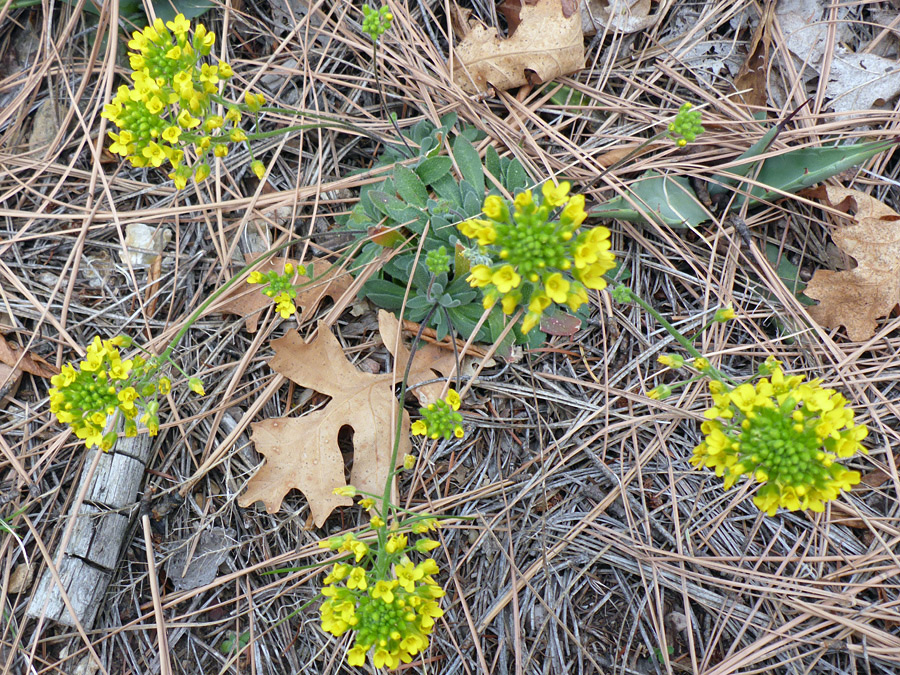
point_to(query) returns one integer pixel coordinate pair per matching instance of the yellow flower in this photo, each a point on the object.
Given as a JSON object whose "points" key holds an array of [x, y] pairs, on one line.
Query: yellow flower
{"points": [[258, 168], [576, 298], [384, 590], [592, 276], [155, 105], [357, 579], [574, 213], [453, 399], [154, 154], [724, 314], [357, 655], [237, 136], [523, 200], [171, 134], [203, 40], [419, 428], [179, 26], [495, 207], [505, 279], [196, 386], [510, 301], [530, 321], [164, 385], [186, 121], [233, 115], [209, 73], [202, 173], [396, 543], [122, 144], [556, 288], [213, 122], [555, 195], [254, 101], [671, 360], [479, 276]]}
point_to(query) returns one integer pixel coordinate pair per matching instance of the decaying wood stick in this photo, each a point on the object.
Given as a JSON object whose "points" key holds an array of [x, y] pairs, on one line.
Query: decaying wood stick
{"points": [[102, 521]]}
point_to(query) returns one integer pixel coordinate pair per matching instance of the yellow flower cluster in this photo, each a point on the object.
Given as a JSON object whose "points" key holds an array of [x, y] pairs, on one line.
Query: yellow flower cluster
{"points": [[391, 606], [105, 384], [279, 287], [440, 418], [102, 385], [167, 114], [537, 257], [786, 434]]}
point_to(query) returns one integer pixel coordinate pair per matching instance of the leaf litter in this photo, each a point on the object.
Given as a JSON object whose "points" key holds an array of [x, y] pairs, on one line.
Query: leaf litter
{"points": [[540, 416]]}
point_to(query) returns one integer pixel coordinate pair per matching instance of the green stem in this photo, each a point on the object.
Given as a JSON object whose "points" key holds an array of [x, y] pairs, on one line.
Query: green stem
{"points": [[398, 429], [675, 333]]}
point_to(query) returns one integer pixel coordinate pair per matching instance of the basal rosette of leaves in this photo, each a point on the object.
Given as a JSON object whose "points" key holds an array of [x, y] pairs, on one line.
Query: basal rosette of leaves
{"points": [[167, 115], [534, 255], [383, 597], [420, 203], [105, 384], [785, 434]]}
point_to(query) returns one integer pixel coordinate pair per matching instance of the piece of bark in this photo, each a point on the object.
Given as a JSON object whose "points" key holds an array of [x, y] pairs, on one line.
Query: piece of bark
{"points": [[93, 550]]}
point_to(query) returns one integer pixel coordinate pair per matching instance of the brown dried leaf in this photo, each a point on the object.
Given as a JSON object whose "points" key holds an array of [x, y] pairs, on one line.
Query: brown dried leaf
{"points": [[13, 356], [248, 301], [547, 43], [857, 298], [303, 452], [752, 75]]}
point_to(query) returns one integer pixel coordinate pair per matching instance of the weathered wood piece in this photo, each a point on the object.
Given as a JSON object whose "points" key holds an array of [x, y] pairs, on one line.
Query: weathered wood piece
{"points": [[97, 536]]}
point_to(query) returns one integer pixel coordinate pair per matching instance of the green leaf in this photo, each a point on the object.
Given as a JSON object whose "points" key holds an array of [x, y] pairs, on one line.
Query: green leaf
{"points": [[190, 8], [516, 176], [448, 188], [385, 202], [492, 162], [669, 198], [800, 168], [433, 169], [563, 95], [469, 163], [788, 273], [384, 293]]}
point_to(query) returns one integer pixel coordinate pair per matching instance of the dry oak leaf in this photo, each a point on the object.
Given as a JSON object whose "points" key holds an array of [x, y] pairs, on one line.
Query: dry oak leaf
{"points": [[302, 452], [15, 357], [547, 43], [248, 301], [857, 298]]}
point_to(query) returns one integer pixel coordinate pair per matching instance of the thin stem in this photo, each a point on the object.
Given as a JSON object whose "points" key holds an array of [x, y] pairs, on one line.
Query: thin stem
{"points": [[675, 333], [398, 429], [382, 99]]}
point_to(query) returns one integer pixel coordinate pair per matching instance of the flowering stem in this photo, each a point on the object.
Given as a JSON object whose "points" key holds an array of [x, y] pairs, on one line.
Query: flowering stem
{"points": [[386, 496]]}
